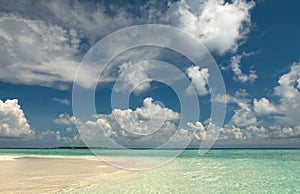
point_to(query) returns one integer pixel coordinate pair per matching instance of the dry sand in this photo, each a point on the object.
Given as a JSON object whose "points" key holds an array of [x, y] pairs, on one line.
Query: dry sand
{"points": [[57, 174]]}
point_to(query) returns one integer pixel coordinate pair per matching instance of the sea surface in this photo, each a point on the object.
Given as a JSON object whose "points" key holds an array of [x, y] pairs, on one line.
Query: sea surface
{"points": [[218, 171]]}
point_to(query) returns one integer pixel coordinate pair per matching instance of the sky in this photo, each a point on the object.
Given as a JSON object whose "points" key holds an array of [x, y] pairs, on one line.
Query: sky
{"points": [[253, 44]]}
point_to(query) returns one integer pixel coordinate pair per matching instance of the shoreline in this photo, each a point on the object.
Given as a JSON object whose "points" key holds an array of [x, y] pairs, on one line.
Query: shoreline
{"points": [[51, 174]]}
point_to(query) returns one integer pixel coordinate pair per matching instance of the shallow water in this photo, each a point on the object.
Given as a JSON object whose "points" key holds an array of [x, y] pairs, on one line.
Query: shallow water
{"points": [[219, 171]]}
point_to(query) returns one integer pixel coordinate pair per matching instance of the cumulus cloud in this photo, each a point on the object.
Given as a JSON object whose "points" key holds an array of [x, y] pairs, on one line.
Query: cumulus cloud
{"points": [[149, 125], [263, 107], [243, 117], [69, 129], [146, 119], [13, 122], [251, 132], [199, 130], [54, 138], [287, 110], [245, 125], [65, 119], [199, 79], [219, 25], [235, 62], [254, 131], [153, 125], [206, 131], [288, 84], [50, 135]]}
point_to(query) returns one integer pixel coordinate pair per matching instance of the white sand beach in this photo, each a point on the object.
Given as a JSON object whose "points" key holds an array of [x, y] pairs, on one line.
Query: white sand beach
{"points": [[56, 174]]}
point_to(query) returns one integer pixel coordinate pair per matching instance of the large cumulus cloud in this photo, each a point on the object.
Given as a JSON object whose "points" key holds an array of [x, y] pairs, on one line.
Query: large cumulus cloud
{"points": [[286, 111], [13, 122]]}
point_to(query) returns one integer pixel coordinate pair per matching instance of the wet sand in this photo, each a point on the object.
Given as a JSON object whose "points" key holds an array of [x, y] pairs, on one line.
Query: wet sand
{"points": [[57, 174]]}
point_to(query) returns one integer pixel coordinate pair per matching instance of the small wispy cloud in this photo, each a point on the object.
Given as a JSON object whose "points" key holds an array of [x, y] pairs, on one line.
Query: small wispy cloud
{"points": [[63, 101], [235, 65]]}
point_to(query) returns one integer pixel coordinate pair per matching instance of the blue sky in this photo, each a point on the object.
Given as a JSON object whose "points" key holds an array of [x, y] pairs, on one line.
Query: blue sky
{"points": [[254, 43]]}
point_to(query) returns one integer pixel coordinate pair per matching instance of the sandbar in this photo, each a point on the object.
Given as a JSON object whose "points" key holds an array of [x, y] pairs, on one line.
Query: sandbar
{"points": [[57, 174]]}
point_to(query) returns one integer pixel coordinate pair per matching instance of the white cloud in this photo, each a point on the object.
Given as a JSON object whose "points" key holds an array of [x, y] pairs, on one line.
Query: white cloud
{"points": [[245, 125], [154, 111], [45, 48], [288, 84], [13, 122], [90, 20], [228, 99], [63, 101], [35, 52], [287, 111], [231, 133], [263, 107], [148, 125], [126, 127], [52, 138], [199, 130], [235, 62], [57, 136], [144, 120], [65, 119], [251, 132], [47, 134], [243, 115], [199, 79], [69, 129], [219, 25], [240, 98], [134, 77], [241, 93]]}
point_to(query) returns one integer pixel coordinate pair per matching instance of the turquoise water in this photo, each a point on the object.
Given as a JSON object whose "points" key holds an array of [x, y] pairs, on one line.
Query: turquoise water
{"points": [[219, 171]]}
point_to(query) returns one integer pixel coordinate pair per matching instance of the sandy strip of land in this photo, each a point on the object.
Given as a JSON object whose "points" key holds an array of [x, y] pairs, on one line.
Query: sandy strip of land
{"points": [[7, 158], [52, 174]]}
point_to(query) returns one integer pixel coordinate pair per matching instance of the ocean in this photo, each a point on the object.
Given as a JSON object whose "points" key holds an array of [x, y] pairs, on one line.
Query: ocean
{"points": [[218, 171]]}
